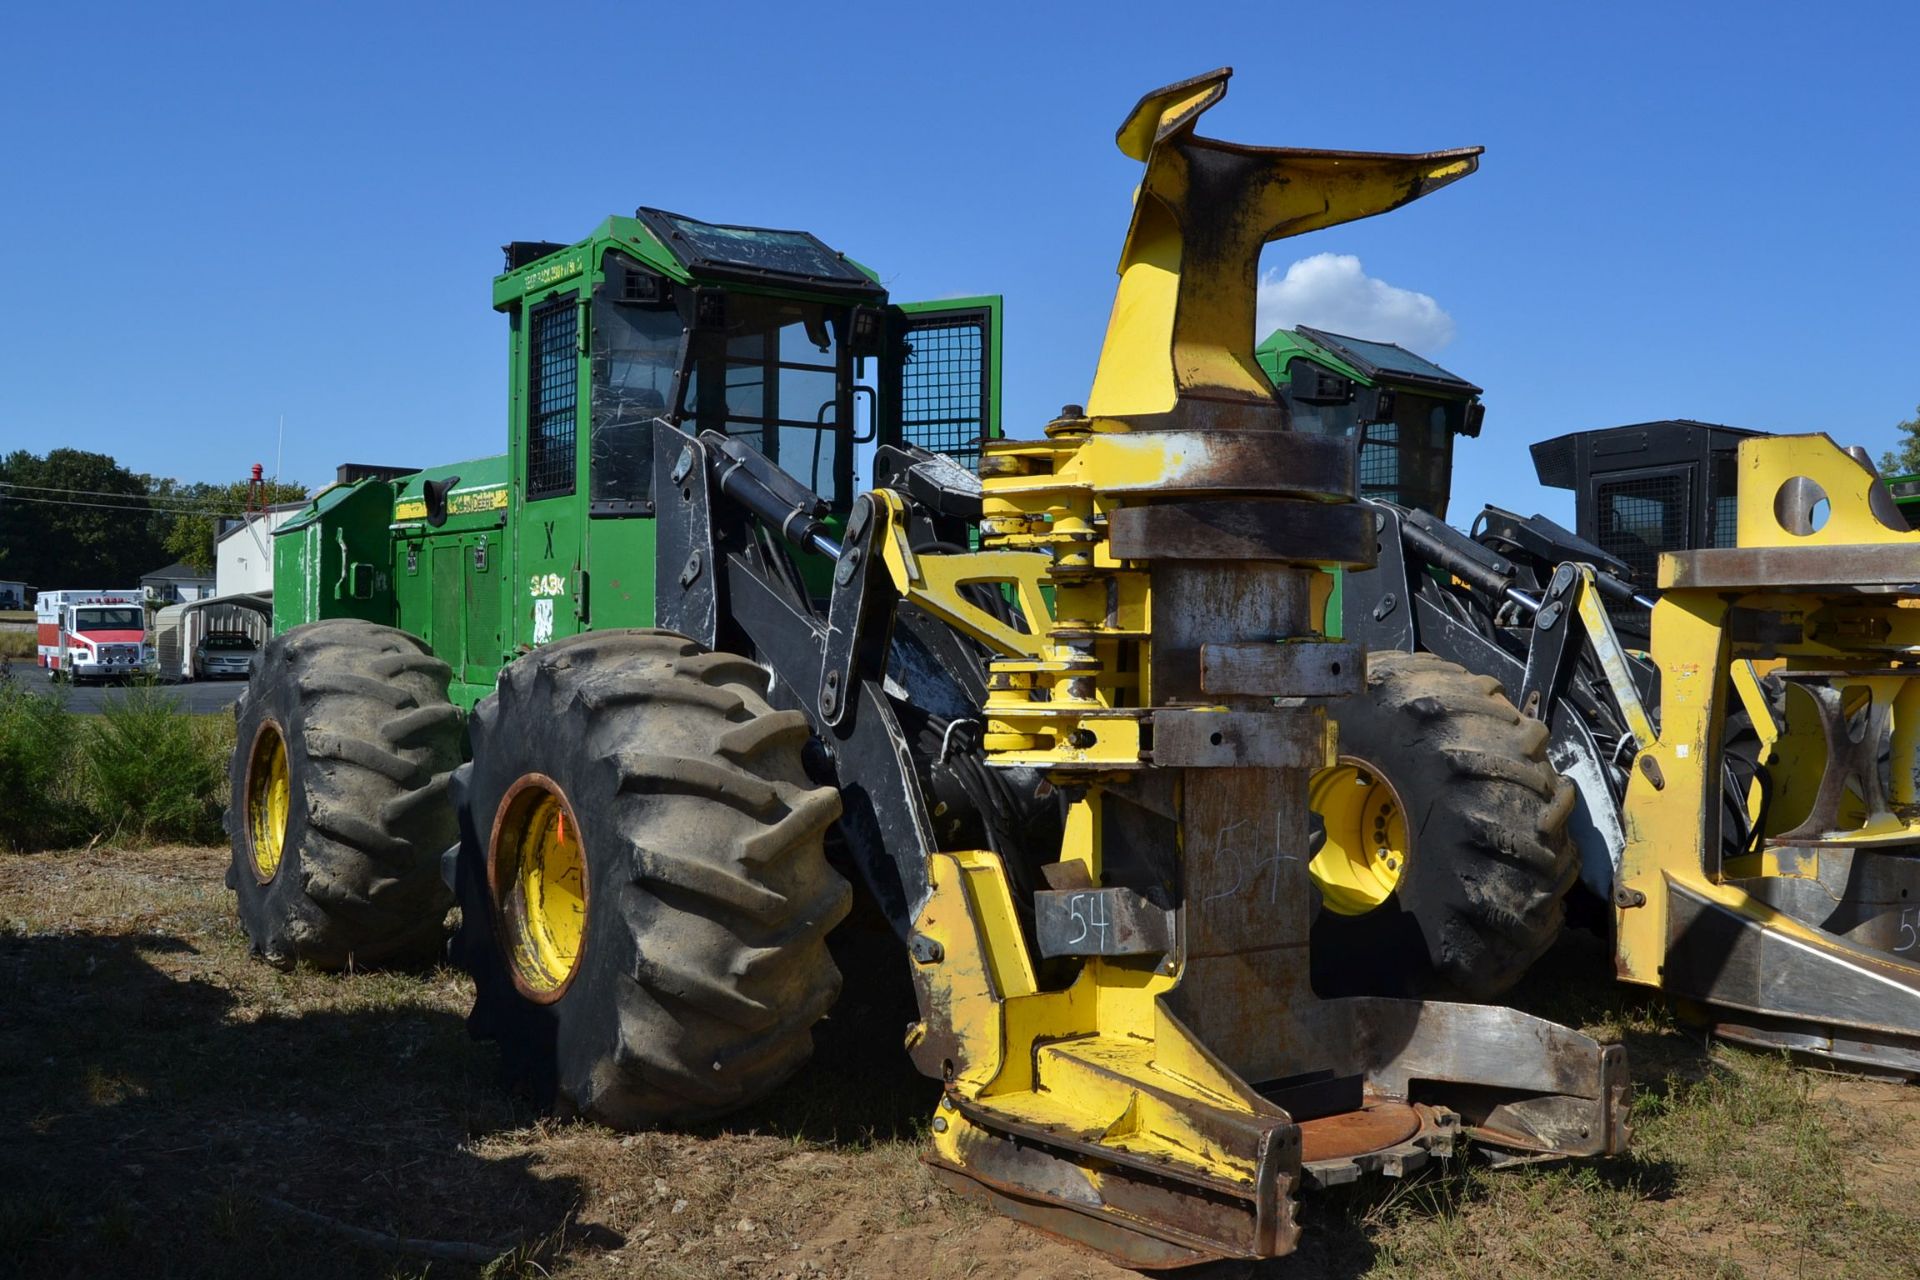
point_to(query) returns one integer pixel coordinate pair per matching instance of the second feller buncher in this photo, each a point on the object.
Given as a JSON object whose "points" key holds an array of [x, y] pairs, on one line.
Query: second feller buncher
{"points": [[1056, 721]]}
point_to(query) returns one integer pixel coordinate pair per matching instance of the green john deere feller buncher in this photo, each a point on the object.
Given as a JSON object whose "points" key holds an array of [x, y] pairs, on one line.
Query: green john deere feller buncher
{"points": [[1514, 738], [1069, 765]]}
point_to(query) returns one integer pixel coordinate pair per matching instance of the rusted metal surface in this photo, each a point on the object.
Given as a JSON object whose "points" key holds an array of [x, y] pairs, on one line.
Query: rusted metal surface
{"points": [[1284, 738], [1471, 1059], [1177, 464], [1100, 922], [1866, 567], [1319, 669], [1145, 1211], [1193, 607], [1342, 1158], [1274, 531], [1243, 830], [1352, 1133]]}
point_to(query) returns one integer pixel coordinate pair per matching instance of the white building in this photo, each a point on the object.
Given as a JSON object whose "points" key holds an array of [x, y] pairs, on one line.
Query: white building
{"points": [[243, 556], [175, 582]]}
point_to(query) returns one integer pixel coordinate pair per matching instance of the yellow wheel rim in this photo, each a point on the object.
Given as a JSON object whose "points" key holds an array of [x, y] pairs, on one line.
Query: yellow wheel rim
{"points": [[268, 792], [1365, 853], [540, 886]]}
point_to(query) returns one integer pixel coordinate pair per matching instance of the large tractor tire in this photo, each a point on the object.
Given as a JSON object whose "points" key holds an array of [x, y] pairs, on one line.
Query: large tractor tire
{"points": [[644, 892], [339, 806], [1444, 856]]}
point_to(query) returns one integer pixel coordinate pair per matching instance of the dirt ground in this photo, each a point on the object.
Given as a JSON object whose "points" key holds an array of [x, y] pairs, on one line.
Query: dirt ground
{"points": [[170, 1108]]}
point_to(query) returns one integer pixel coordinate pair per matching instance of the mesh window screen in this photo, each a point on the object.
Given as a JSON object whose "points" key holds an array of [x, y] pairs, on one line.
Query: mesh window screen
{"points": [[1725, 496], [555, 391], [944, 391], [1380, 461], [1641, 517]]}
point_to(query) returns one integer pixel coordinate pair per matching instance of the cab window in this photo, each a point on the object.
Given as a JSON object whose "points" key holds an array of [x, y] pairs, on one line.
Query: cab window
{"points": [[553, 364], [108, 619], [776, 376], [636, 350]]}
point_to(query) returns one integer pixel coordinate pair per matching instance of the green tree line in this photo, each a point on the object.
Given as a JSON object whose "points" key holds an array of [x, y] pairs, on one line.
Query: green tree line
{"points": [[1904, 458], [72, 518]]}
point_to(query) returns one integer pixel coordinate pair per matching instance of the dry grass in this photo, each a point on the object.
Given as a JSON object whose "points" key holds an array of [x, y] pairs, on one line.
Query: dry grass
{"points": [[18, 644], [158, 1089]]}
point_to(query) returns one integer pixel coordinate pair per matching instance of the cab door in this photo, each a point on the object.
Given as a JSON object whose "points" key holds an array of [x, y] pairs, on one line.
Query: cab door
{"points": [[636, 341], [548, 594], [946, 396]]}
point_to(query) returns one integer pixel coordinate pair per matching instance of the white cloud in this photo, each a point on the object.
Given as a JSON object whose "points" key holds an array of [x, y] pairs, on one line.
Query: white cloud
{"points": [[1332, 291]]}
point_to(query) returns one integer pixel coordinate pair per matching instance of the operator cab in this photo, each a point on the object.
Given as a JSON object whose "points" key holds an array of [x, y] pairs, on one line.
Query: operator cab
{"points": [[1400, 410], [773, 369], [770, 337], [1648, 487]]}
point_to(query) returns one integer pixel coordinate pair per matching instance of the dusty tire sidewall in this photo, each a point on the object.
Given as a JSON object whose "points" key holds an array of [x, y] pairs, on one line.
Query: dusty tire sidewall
{"points": [[266, 906], [1423, 800], [579, 1026], [1460, 881], [1378, 941]]}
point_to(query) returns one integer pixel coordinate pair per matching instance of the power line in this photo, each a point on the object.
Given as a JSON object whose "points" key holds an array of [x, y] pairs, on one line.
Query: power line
{"points": [[179, 500], [122, 506]]}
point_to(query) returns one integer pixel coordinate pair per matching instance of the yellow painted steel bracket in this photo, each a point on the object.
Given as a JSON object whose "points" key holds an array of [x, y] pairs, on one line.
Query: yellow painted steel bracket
{"points": [[1808, 944]]}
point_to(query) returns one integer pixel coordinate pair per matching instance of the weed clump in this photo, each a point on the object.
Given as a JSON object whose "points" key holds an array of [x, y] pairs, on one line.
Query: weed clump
{"points": [[153, 773], [142, 770], [40, 802]]}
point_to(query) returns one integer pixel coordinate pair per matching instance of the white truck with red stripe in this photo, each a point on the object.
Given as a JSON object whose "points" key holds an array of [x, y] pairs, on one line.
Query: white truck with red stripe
{"points": [[93, 635]]}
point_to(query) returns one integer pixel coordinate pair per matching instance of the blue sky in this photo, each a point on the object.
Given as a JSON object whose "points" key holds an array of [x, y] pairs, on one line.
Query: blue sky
{"points": [[218, 215]]}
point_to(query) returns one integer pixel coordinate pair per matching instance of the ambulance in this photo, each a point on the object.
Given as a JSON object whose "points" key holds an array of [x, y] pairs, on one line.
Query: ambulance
{"points": [[93, 635]]}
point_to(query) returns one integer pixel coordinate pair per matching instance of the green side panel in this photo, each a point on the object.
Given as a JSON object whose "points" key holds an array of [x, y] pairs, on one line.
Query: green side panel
{"points": [[480, 563], [449, 578], [447, 634], [334, 560], [295, 597], [412, 582], [620, 569]]}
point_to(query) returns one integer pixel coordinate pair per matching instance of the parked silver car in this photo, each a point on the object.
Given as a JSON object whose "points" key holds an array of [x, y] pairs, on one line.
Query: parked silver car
{"points": [[225, 653]]}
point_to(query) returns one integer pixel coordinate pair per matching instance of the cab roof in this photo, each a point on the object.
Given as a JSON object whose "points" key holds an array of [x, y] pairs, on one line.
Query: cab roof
{"points": [[1389, 362], [689, 251]]}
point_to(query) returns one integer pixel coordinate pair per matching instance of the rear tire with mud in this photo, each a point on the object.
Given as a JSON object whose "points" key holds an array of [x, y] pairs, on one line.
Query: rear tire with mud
{"points": [[339, 808], [1445, 873], [644, 892]]}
